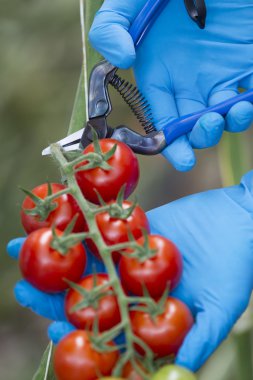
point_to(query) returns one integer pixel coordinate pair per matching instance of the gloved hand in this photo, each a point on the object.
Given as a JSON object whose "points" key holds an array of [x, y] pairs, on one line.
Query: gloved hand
{"points": [[181, 69], [214, 232]]}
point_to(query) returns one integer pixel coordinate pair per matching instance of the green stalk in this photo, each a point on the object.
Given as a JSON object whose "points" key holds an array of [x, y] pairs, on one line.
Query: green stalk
{"points": [[243, 338], [234, 158], [243, 344], [91, 8], [88, 9], [234, 161], [105, 252]]}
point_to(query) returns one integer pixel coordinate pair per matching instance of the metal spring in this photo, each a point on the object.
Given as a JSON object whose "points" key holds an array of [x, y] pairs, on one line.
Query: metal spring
{"points": [[136, 101]]}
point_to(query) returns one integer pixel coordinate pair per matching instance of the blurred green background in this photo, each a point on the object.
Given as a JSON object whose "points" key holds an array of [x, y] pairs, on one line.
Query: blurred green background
{"points": [[40, 64]]}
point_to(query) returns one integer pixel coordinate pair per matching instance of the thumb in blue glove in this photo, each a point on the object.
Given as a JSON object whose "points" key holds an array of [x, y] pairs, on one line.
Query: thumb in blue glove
{"points": [[181, 69]]}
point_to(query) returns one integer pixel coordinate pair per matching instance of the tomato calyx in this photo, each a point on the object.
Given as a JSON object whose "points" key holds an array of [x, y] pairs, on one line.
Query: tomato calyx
{"points": [[96, 159], [62, 243], [116, 209], [43, 207], [100, 341], [90, 297], [140, 252], [149, 305]]}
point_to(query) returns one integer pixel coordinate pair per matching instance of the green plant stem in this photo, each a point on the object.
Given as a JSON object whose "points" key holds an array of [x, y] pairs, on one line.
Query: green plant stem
{"points": [[99, 210], [143, 300], [243, 343], [105, 253], [234, 158], [91, 8], [79, 117], [122, 246]]}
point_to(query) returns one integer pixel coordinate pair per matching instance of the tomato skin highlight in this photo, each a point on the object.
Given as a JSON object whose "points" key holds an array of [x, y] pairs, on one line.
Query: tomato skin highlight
{"points": [[76, 359], [66, 209], [156, 273], [44, 267], [125, 171], [108, 313], [173, 372], [115, 231], [166, 333]]}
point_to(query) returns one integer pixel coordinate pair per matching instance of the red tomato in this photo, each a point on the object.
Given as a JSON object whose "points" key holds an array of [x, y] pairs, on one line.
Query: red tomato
{"points": [[76, 359], [60, 217], [165, 334], [124, 171], [130, 373], [163, 269], [44, 267], [114, 230], [107, 310]]}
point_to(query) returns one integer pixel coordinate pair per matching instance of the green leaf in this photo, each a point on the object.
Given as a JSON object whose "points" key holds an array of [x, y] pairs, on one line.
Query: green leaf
{"points": [[45, 370], [78, 117]]}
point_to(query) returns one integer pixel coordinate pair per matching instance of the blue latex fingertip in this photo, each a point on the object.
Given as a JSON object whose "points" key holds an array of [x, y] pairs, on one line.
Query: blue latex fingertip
{"points": [[58, 330], [240, 117], [114, 43], [14, 246], [185, 164], [208, 131]]}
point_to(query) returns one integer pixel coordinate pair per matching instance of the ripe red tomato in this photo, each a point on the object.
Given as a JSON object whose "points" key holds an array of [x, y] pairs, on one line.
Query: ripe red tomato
{"points": [[161, 270], [114, 230], [165, 334], [130, 373], [107, 310], [60, 217], [76, 359], [44, 267], [124, 170]]}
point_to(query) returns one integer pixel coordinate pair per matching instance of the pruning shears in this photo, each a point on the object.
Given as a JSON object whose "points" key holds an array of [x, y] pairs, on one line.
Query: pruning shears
{"points": [[99, 104]]}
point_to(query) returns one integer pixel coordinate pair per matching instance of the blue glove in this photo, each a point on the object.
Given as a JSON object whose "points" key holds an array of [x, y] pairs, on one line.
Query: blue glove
{"points": [[214, 232], [181, 69]]}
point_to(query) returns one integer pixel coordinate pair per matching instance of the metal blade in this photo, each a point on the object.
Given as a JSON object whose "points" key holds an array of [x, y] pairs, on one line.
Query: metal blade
{"points": [[69, 143]]}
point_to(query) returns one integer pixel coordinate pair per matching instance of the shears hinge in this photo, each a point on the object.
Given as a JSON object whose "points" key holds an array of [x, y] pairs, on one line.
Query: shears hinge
{"points": [[99, 125]]}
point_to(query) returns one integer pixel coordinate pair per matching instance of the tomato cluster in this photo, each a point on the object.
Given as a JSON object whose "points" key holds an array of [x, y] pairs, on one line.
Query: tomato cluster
{"points": [[149, 266]]}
